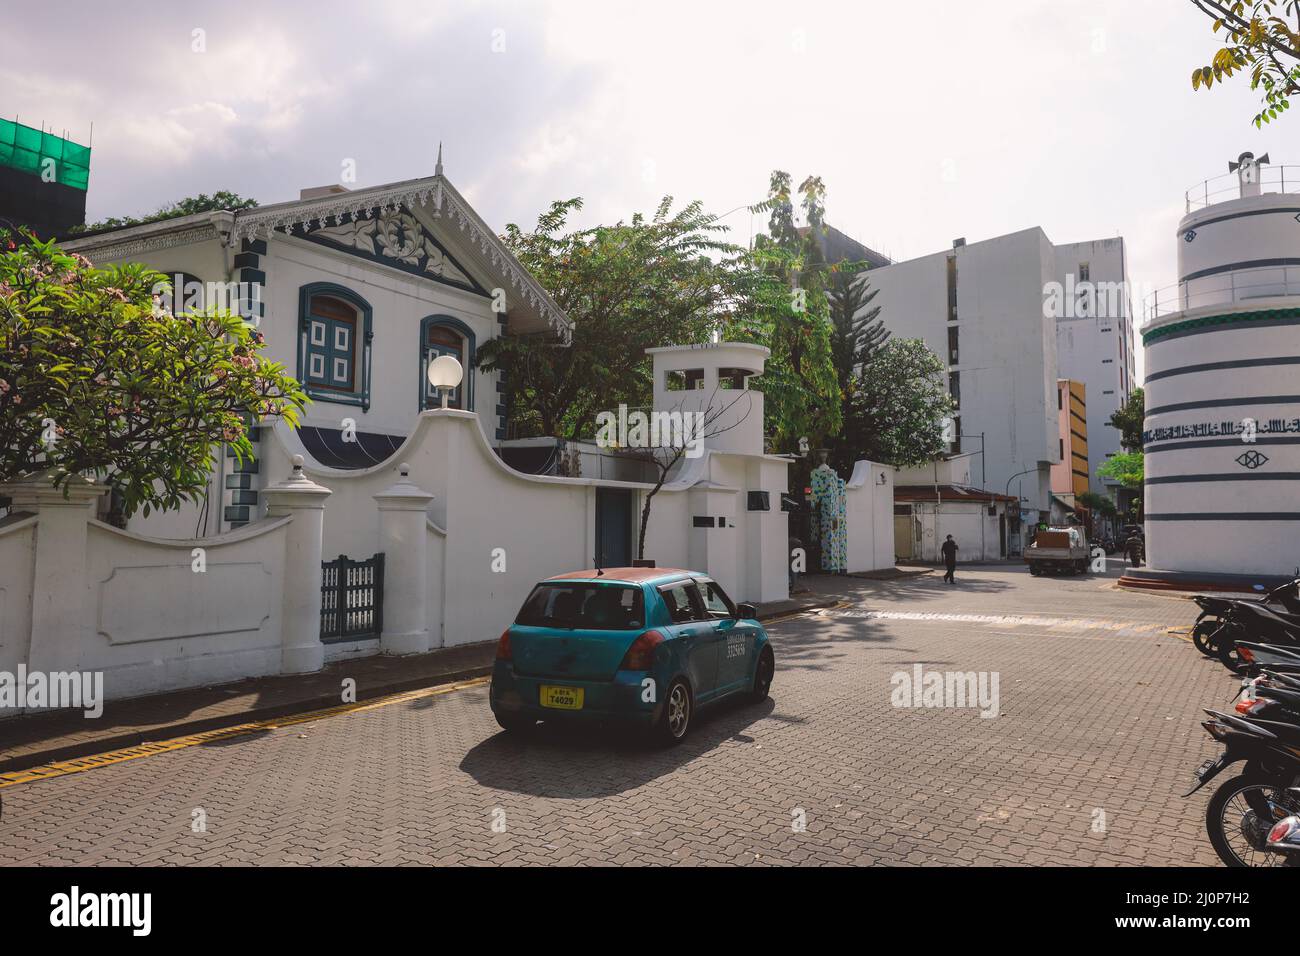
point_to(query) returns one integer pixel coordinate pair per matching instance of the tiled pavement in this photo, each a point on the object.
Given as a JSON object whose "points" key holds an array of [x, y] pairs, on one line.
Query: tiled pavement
{"points": [[1099, 716]]}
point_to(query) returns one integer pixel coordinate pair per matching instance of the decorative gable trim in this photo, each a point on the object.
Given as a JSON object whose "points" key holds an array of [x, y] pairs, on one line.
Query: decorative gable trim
{"points": [[301, 217], [442, 199], [396, 239]]}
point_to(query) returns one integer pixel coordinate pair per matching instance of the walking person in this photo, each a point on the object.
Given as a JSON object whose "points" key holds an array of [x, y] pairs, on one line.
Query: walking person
{"points": [[950, 559], [1133, 546]]}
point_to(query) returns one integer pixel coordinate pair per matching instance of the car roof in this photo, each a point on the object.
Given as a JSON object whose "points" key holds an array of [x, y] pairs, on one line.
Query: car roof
{"points": [[626, 575]]}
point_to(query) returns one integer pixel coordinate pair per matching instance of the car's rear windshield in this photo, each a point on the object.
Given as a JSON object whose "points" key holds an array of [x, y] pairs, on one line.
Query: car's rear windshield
{"points": [[585, 606]]}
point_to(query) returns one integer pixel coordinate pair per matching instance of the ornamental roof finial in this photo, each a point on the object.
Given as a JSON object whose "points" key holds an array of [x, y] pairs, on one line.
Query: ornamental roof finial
{"points": [[437, 170]]}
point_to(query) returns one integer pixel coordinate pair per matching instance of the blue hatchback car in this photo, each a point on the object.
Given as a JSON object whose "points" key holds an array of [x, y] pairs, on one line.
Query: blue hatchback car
{"points": [[644, 646]]}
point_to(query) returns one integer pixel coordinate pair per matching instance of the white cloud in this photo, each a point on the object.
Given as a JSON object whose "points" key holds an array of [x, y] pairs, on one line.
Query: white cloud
{"points": [[926, 122]]}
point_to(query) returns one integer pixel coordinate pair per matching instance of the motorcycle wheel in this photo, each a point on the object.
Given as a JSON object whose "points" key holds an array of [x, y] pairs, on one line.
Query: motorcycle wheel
{"points": [[1203, 637], [1227, 651], [1239, 816]]}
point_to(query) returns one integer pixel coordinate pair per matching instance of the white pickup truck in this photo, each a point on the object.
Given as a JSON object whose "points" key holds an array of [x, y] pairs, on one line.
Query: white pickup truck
{"points": [[1058, 549]]}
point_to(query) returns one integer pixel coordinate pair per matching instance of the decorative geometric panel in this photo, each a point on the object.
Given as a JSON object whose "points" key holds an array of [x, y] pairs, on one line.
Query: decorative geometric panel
{"points": [[395, 238], [316, 366], [318, 333], [1251, 459]]}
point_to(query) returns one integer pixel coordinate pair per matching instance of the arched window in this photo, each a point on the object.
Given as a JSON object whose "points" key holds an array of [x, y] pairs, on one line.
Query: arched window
{"points": [[444, 335], [334, 357]]}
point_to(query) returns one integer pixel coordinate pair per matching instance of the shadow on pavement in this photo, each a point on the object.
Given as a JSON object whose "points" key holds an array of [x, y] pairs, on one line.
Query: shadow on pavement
{"points": [[577, 761]]}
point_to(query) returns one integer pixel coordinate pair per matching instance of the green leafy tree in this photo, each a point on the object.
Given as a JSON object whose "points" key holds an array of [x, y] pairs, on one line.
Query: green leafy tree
{"points": [[857, 330], [1128, 418], [627, 287], [97, 379], [895, 408], [222, 199], [1263, 38], [1127, 468], [1098, 503], [789, 311]]}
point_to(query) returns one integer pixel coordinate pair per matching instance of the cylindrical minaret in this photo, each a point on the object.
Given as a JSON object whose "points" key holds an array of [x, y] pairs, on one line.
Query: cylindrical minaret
{"points": [[1222, 431]]}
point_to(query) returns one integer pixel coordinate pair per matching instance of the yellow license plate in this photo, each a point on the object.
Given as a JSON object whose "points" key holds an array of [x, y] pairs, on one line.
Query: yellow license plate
{"points": [[562, 698]]}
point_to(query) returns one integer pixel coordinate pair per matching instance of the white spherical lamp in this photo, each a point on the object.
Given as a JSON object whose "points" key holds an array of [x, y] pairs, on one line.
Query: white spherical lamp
{"points": [[445, 373]]}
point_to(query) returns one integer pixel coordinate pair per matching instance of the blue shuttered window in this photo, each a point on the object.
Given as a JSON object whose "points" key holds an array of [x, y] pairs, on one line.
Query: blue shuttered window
{"points": [[334, 358]]}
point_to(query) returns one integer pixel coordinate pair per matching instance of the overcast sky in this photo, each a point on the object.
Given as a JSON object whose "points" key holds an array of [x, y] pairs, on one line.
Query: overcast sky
{"points": [[926, 120]]}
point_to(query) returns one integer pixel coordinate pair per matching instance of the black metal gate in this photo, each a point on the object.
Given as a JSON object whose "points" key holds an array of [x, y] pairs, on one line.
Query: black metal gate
{"points": [[352, 599]]}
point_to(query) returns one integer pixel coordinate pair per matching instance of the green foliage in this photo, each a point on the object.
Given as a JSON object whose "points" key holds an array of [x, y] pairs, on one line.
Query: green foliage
{"points": [[1261, 40], [857, 331], [626, 287], [1127, 468], [895, 408], [95, 379], [223, 199], [1098, 503], [789, 312], [1128, 419]]}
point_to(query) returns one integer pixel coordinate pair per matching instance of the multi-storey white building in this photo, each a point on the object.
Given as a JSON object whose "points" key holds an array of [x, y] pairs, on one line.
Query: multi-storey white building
{"points": [[1010, 316], [1094, 341]]}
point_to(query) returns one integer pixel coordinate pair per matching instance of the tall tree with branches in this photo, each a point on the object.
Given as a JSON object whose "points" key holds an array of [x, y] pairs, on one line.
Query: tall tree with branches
{"points": [[1263, 38], [856, 327], [627, 287], [788, 311]]}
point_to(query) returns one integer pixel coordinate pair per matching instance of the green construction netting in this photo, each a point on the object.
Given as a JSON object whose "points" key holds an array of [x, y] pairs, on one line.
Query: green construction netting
{"points": [[22, 147]]}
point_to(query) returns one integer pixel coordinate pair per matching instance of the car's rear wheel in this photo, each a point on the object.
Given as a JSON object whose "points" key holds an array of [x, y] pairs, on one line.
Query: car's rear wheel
{"points": [[514, 723], [763, 673], [675, 721]]}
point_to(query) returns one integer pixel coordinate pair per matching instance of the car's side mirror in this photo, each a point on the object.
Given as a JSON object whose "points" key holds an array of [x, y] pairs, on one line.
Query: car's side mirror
{"points": [[747, 612]]}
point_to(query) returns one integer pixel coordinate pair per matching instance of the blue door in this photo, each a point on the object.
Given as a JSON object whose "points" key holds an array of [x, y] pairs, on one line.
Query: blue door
{"points": [[613, 528]]}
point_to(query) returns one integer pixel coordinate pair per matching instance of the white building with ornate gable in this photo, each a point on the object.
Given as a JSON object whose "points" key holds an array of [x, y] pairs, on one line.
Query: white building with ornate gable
{"points": [[356, 291]]}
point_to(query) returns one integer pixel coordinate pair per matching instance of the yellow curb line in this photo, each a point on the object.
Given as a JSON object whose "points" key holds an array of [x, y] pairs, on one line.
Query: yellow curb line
{"points": [[64, 767]]}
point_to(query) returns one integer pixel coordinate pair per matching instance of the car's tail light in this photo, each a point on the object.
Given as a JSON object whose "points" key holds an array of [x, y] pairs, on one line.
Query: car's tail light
{"points": [[641, 655], [503, 646]]}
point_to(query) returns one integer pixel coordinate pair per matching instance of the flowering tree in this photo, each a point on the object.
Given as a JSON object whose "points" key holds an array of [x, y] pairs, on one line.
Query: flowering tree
{"points": [[97, 378]]}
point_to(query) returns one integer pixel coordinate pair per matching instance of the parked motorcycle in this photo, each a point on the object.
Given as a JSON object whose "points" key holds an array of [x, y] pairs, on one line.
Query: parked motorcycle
{"points": [[1271, 695], [1255, 658], [1244, 814], [1285, 597], [1249, 622]]}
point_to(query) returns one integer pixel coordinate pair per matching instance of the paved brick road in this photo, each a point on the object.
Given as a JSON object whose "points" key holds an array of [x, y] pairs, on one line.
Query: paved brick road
{"points": [[1099, 711]]}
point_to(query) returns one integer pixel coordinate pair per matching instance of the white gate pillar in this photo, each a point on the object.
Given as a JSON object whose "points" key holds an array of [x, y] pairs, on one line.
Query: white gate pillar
{"points": [[60, 590], [300, 648], [404, 539]]}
